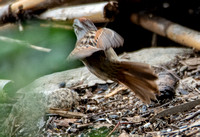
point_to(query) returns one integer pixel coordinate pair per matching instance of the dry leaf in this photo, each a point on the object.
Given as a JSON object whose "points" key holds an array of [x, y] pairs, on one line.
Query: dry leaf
{"points": [[124, 134], [65, 122], [192, 61], [136, 119]]}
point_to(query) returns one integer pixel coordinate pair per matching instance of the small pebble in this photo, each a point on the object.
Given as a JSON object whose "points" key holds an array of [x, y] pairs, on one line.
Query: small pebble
{"points": [[143, 109], [113, 116], [128, 126], [100, 91], [183, 92], [183, 68], [103, 87], [163, 131], [169, 130], [72, 130], [101, 119], [133, 132], [62, 85], [147, 125]]}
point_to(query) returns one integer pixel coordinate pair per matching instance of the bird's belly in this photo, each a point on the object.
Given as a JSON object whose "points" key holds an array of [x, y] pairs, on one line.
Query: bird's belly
{"points": [[98, 68]]}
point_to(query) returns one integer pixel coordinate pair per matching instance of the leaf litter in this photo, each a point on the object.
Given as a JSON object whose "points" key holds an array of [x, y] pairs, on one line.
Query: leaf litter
{"points": [[110, 105]]}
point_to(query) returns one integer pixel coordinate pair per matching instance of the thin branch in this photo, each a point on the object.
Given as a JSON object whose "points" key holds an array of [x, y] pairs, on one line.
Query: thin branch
{"points": [[180, 108], [166, 28], [23, 43], [67, 27]]}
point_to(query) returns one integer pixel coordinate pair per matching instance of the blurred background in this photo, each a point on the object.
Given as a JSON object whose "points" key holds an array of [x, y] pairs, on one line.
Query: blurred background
{"points": [[22, 65]]}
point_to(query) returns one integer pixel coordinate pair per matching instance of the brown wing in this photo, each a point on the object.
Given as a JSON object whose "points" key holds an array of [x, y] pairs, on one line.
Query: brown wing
{"points": [[108, 38], [94, 41], [85, 47]]}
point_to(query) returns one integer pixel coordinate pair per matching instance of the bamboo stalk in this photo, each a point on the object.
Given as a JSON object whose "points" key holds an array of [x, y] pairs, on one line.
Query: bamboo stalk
{"points": [[24, 4], [10, 12], [97, 12], [171, 30]]}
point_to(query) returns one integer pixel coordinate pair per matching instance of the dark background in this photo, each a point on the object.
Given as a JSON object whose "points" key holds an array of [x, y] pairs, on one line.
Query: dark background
{"points": [[183, 12]]}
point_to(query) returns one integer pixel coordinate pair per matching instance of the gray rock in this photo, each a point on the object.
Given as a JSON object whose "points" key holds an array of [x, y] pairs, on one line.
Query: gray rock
{"points": [[62, 98], [158, 56]]}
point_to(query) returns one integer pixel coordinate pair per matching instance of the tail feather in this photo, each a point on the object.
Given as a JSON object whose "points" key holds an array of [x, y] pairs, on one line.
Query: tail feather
{"points": [[140, 78], [139, 69]]}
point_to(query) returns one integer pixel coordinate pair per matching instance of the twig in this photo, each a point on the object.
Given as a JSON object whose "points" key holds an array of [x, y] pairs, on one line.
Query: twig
{"points": [[23, 43], [17, 129], [110, 102], [166, 28], [192, 116], [115, 91], [192, 133], [84, 125], [167, 71], [12, 127], [154, 40], [195, 124], [117, 126], [180, 108], [197, 90], [67, 27], [107, 111], [68, 114], [113, 129]]}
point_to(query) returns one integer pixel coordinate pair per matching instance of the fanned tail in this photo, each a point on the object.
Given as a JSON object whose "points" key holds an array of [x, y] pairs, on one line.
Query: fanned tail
{"points": [[140, 78]]}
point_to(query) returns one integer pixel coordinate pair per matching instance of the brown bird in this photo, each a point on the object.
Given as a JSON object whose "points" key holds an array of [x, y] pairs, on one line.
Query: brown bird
{"points": [[94, 47]]}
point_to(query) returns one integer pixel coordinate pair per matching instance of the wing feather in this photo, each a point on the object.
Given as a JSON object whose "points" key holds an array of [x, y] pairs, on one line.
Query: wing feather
{"points": [[108, 38], [93, 41]]}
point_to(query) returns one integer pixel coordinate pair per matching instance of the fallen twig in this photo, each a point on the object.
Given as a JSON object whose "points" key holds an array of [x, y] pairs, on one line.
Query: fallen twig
{"points": [[176, 109], [192, 116], [195, 124], [68, 114], [113, 129], [192, 133], [115, 91], [23, 43], [67, 27], [117, 126], [166, 28]]}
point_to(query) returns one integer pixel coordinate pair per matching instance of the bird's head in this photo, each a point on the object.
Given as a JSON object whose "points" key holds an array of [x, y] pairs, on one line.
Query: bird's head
{"points": [[82, 26]]}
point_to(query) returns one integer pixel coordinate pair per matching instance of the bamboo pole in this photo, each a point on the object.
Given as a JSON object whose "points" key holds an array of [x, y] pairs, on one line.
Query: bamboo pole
{"points": [[171, 30], [97, 12], [11, 12], [24, 5]]}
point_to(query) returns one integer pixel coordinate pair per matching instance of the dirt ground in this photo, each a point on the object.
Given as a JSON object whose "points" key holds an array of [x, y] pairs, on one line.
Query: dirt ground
{"points": [[175, 113]]}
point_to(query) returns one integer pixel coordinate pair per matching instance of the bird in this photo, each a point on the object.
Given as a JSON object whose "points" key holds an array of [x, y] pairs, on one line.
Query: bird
{"points": [[94, 47]]}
